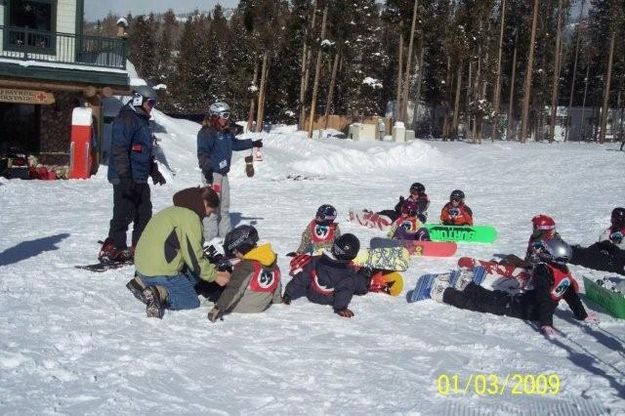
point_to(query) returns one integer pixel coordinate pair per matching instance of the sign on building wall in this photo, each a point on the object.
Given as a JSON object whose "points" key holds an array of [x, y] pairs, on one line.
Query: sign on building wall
{"points": [[11, 95]]}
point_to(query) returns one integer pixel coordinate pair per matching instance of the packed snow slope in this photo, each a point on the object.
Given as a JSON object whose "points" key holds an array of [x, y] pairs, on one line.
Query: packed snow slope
{"points": [[77, 343]]}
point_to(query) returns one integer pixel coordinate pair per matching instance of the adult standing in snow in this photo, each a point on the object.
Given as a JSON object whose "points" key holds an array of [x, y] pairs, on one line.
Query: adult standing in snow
{"points": [[131, 163], [552, 282], [215, 143], [170, 259]]}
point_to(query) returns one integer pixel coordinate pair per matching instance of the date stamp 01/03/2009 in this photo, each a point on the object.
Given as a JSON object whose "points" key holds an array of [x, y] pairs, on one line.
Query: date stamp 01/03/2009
{"points": [[488, 384]]}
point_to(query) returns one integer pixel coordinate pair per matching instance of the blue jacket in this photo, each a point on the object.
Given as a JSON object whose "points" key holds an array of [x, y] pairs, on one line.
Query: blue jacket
{"points": [[131, 146], [214, 149]]}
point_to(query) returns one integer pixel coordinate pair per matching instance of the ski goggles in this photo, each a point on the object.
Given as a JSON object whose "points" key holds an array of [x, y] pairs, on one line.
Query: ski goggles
{"points": [[225, 115]]}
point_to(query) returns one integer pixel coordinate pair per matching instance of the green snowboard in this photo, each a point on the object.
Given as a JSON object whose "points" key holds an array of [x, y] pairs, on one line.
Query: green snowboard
{"points": [[463, 233], [387, 258]]}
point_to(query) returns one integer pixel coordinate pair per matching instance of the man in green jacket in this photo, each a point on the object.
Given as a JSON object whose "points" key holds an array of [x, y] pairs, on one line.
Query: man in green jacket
{"points": [[169, 259]]}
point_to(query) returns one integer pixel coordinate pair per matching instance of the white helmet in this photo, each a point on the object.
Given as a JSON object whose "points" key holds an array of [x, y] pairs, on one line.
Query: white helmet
{"points": [[218, 107]]}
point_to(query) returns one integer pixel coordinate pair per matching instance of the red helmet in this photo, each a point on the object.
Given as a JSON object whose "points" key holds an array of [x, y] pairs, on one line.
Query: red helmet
{"points": [[543, 222]]}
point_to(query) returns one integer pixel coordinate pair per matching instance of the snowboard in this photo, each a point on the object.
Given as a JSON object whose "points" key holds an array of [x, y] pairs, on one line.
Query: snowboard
{"points": [[418, 248], [370, 219], [390, 283], [511, 271], [424, 284], [611, 300], [463, 233], [389, 258], [102, 267]]}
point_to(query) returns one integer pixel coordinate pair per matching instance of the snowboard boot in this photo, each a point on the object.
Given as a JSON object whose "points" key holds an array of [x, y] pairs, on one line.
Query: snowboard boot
{"points": [[109, 254], [465, 277], [249, 166], [154, 307], [438, 287], [136, 287]]}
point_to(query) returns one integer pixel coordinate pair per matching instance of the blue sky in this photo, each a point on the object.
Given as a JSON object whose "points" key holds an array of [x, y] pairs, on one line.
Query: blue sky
{"points": [[97, 9]]}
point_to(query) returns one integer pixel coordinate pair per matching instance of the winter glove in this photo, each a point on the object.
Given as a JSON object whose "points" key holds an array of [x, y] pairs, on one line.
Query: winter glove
{"points": [[548, 331], [286, 299], [454, 212], [157, 176], [249, 166], [215, 314], [257, 143], [399, 204], [592, 318], [345, 313], [208, 175]]}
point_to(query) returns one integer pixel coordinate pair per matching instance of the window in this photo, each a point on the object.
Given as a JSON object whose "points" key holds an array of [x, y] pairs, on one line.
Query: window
{"points": [[30, 24]]}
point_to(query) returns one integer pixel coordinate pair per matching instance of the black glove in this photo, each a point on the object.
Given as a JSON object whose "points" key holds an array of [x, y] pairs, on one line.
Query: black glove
{"points": [[208, 175], [399, 204], [345, 313], [157, 177], [215, 314], [286, 299], [257, 143]]}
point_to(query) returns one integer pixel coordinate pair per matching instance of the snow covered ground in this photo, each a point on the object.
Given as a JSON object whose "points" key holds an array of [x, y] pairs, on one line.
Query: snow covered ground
{"points": [[74, 342]]}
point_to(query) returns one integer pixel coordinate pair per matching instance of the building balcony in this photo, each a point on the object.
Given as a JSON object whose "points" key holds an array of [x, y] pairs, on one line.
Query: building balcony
{"points": [[62, 48]]}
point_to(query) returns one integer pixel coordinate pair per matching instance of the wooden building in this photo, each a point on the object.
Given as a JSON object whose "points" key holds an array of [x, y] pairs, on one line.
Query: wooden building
{"points": [[47, 68]]}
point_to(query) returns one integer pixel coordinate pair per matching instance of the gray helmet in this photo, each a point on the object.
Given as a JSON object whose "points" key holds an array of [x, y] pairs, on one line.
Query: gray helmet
{"points": [[242, 238], [555, 250], [142, 93], [217, 108]]}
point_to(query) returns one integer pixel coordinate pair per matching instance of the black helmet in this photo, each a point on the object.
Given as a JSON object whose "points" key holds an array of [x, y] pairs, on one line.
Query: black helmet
{"points": [[456, 195], [618, 217], [554, 250], [417, 187], [326, 214], [242, 238], [141, 94], [346, 247]]}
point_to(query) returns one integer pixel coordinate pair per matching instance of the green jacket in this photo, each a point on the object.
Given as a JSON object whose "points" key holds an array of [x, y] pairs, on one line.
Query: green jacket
{"points": [[172, 240]]}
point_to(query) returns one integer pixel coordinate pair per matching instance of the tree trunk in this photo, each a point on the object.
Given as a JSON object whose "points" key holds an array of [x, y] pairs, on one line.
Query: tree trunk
{"points": [[398, 104], [568, 113], [454, 133], [497, 93], [406, 87], [313, 101], [335, 67], [606, 91], [556, 76], [250, 116], [419, 80], [528, 77], [260, 114], [303, 86], [584, 102], [511, 97]]}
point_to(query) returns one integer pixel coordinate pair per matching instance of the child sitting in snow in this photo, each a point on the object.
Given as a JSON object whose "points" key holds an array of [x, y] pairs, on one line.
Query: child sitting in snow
{"points": [[408, 226], [321, 232], [330, 279], [608, 253], [255, 280], [455, 212], [417, 197]]}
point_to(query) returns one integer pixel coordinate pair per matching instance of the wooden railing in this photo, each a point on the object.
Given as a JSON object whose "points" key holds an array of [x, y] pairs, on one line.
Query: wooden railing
{"points": [[28, 44]]}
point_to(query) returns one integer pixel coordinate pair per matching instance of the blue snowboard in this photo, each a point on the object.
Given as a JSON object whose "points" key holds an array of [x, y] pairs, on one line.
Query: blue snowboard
{"points": [[424, 284]]}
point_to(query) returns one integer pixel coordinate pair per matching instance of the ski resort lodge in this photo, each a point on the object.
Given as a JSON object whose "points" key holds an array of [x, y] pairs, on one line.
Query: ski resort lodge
{"points": [[53, 79]]}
